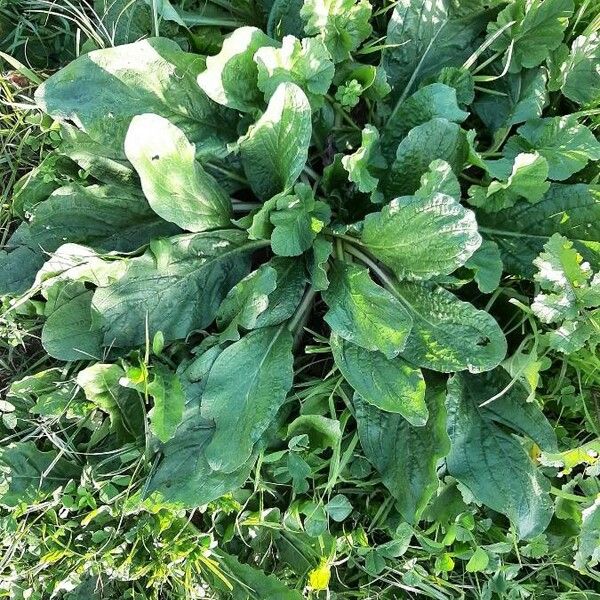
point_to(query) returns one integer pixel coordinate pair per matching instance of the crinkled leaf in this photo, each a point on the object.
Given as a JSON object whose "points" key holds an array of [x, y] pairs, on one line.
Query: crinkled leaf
{"points": [[297, 220], [342, 24], [175, 184], [490, 462], [275, 149], [392, 385], [420, 237], [365, 164], [436, 139], [306, 63], [527, 180], [568, 283], [439, 179], [175, 287], [562, 141], [245, 302], [521, 231], [364, 313], [570, 289], [102, 90], [588, 543], [246, 386], [539, 28], [448, 334], [405, 456], [231, 76]]}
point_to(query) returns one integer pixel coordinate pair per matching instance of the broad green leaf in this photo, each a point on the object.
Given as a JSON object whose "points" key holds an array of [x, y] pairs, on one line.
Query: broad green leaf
{"points": [[168, 403], [275, 149], [246, 386], [391, 385], [478, 562], [538, 29], [175, 287], [521, 231], [364, 313], [306, 63], [20, 260], [520, 97], [175, 184], [421, 237], [68, 333], [405, 456], [72, 262], [184, 475], [448, 334], [231, 76], [424, 38], [432, 101], [439, 179], [101, 385], [104, 217], [322, 432], [250, 583], [98, 160], [297, 218], [338, 508], [245, 302], [102, 90], [580, 72], [527, 180], [364, 165], [342, 24], [29, 475], [562, 141], [436, 139], [487, 266], [490, 462]]}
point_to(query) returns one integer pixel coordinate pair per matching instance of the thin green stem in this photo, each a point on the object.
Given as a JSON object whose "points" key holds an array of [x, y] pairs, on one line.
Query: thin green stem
{"points": [[301, 311]]}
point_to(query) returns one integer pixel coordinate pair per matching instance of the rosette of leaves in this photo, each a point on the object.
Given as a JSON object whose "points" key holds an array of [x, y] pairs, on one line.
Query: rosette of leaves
{"points": [[230, 202]]}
